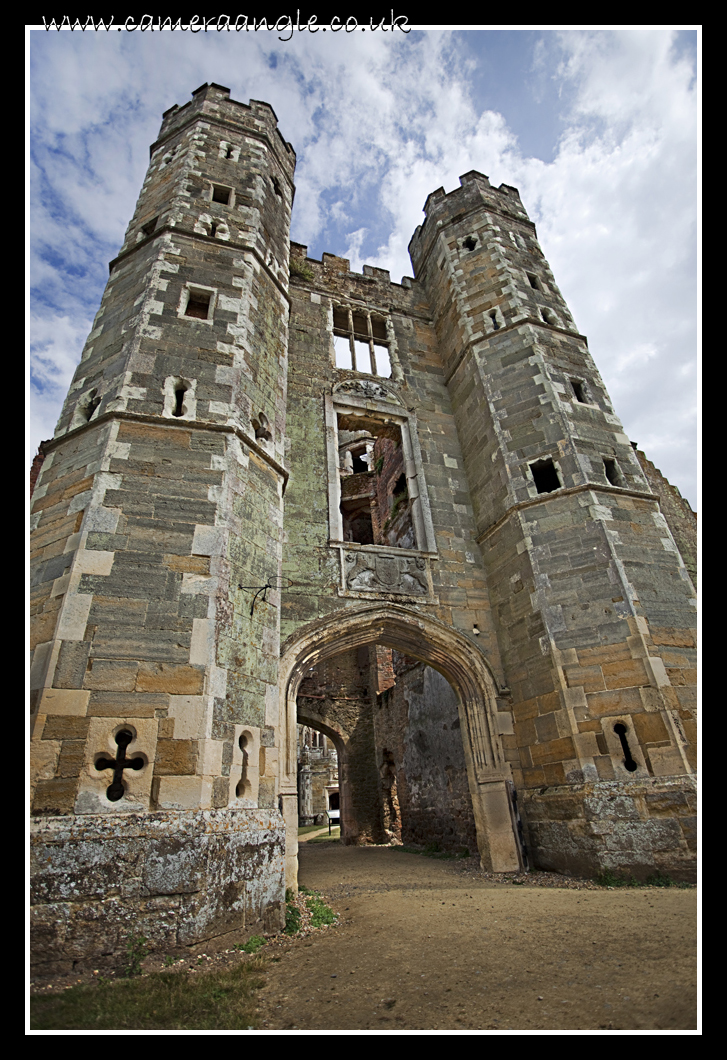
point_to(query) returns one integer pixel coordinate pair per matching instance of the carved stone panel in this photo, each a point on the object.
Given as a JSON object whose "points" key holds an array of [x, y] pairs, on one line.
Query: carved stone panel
{"points": [[383, 573]]}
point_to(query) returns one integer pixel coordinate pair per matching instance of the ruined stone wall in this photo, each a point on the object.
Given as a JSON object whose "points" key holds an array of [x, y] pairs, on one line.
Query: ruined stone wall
{"points": [[457, 573], [417, 721], [336, 698], [677, 512]]}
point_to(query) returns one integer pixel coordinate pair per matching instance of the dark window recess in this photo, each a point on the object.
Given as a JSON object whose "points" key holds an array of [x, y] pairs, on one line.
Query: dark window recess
{"points": [[243, 783], [91, 403], [198, 305], [360, 327], [612, 472], [260, 426], [378, 328], [400, 489], [579, 391], [469, 243], [359, 464], [230, 151], [179, 401], [533, 281], [545, 476], [276, 186], [629, 763], [220, 194], [495, 325], [150, 226], [357, 525]]}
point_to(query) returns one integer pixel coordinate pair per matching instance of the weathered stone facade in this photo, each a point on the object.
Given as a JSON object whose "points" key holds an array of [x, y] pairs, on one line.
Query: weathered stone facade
{"points": [[271, 473]]}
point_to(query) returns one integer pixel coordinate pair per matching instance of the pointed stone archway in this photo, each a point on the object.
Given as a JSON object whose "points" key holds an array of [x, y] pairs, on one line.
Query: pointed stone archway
{"points": [[461, 662]]}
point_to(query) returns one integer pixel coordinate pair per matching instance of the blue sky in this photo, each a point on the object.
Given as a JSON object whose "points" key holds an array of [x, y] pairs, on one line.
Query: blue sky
{"points": [[597, 128]]}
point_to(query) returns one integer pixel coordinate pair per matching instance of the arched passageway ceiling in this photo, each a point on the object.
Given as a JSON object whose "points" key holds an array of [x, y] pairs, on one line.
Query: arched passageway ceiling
{"points": [[442, 647]]}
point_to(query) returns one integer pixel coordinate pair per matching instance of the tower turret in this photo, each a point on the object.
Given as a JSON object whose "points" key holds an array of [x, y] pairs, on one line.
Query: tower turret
{"points": [[588, 590], [155, 725]]}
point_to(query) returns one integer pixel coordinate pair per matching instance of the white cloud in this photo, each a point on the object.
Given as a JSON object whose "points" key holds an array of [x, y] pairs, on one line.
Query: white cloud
{"points": [[378, 123]]}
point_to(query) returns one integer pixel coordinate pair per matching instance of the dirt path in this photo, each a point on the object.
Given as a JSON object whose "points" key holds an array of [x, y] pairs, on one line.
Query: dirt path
{"points": [[423, 945]]}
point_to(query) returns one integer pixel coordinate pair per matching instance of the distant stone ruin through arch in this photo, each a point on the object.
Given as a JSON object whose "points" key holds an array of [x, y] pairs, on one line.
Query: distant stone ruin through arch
{"points": [[345, 637]]}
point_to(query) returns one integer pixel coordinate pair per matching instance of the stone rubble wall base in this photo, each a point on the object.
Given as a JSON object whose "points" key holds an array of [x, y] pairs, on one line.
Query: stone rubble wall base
{"points": [[631, 828], [178, 878]]}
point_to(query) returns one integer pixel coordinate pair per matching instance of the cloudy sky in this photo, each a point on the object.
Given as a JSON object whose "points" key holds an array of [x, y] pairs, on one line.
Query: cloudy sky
{"points": [[597, 128]]}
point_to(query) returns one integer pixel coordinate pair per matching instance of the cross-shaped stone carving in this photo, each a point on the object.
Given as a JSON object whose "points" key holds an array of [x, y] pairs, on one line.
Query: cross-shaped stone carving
{"points": [[115, 791]]}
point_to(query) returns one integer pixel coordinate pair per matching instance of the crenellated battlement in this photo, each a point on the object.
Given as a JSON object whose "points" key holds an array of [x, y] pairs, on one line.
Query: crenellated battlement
{"points": [[332, 269], [213, 102], [475, 194]]}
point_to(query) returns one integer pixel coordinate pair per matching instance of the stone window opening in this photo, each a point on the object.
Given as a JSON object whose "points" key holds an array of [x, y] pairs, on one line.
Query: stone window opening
{"points": [[362, 342], [86, 407], [545, 476], [375, 505], [470, 243], [276, 187], [368, 425], [149, 228], [496, 319], [228, 151], [629, 763], [197, 302], [222, 194], [579, 389], [613, 472], [261, 427], [534, 281], [180, 400], [212, 226], [549, 317]]}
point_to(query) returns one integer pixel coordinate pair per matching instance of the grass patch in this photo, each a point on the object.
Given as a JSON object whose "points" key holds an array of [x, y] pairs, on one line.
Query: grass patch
{"points": [[136, 951], [321, 914], [300, 267], [253, 944], [309, 828], [221, 1000], [335, 835], [292, 915]]}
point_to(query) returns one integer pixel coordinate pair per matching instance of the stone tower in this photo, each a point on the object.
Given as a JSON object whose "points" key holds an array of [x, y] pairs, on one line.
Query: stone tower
{"points": [[402, 514], [161, 492]]}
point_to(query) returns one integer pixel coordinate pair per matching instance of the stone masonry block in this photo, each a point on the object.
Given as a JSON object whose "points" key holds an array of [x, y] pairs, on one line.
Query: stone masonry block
{"points": [[125, 704], [650, 728], [618, 701], [184, 793], [55, 796], [554, 751], [71, 665], [64, 701], [111, 675], [163, 677], [625, 673], [175, 757], [65, 727]]}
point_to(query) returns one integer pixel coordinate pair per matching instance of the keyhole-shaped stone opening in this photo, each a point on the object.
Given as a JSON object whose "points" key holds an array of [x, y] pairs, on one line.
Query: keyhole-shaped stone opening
{"points": [[116, 789], [243, 785], [629, 762]]}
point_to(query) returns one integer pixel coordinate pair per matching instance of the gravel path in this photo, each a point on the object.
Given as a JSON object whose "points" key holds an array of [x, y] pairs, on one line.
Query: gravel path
{"points": [[429, 944]]}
